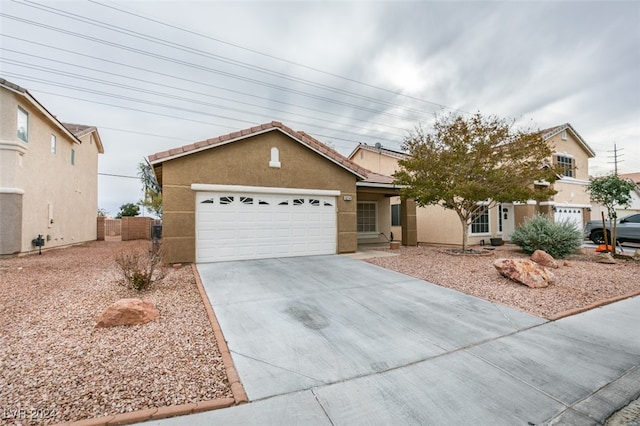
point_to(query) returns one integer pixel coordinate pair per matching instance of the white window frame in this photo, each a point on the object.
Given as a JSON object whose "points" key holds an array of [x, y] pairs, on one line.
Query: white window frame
{"points": [[54, 144], [572, 167], [564, 135], [375, 212], [23, 118], [73, 157], [486, 213]]}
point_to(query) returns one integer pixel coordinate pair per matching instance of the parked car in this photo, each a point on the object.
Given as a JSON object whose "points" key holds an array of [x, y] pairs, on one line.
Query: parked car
{"points": [[628, 230]]}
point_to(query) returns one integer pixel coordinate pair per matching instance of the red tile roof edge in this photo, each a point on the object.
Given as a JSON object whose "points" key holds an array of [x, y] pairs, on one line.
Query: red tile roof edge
{"points": [[301, 136]]}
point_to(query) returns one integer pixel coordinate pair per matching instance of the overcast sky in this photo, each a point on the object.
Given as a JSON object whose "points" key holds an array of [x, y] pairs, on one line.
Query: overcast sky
{"points": [[156, 75]]}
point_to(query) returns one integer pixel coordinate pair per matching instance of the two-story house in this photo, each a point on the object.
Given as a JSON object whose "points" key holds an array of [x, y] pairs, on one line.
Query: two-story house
{"points": [[436, 225], [48, 175]]}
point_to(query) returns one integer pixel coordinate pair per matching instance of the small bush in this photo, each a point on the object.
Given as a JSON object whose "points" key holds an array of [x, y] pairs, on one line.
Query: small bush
{"points": [[541, 233], [140, 267]]}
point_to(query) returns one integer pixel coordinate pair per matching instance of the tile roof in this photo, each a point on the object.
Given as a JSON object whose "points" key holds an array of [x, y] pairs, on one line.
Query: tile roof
{"points": [[79, 130], [299, 136], [552, 131], [380, 149]]}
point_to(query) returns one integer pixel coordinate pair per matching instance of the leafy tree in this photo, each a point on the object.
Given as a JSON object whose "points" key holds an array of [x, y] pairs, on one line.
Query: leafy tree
{"points": [[153, 202], [152, 190], [611, 191], [470, 164], [102, 212], [128, 209]]}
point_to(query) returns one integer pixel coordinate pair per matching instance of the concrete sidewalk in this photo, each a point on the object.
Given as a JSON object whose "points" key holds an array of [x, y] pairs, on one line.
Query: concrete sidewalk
{"points": [[333, 340]]}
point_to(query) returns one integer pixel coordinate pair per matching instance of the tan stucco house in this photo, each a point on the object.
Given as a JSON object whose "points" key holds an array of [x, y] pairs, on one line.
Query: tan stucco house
{"points": [[48, 175], [436, 225], [269, 191]]}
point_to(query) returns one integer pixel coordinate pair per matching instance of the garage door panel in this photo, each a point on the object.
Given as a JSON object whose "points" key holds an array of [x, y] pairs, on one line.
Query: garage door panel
{"points": [[235, 226]]}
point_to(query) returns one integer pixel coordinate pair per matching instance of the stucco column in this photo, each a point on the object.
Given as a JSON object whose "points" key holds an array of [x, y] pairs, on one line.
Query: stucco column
{"points": [[409, 222]]}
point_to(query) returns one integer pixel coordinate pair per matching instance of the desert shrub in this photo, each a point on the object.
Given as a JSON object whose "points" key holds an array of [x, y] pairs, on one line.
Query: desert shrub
{"points": [[541, 233], [140, 267]]}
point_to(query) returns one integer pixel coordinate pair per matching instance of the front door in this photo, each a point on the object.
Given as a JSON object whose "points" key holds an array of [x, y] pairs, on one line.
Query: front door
{"points": [[506, 223]]}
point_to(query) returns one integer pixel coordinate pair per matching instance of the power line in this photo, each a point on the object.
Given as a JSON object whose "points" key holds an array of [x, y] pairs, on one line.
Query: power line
{"points": [[138, 89], [276, 57], [198, 52]]}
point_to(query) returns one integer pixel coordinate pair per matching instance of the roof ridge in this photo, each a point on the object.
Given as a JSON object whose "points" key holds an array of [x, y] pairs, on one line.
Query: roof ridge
{"points": [[303, 137]]}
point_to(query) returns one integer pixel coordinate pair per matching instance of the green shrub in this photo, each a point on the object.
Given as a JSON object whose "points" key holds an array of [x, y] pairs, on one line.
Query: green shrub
{"points": [[541, 233]]}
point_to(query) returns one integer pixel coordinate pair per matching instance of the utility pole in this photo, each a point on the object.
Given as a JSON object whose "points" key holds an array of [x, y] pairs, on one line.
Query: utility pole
{"points": [[615, 159]]}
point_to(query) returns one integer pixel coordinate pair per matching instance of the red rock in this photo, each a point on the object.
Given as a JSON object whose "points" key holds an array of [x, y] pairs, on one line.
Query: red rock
{"points": [[543, 258], [524, 271], [128, 312]]}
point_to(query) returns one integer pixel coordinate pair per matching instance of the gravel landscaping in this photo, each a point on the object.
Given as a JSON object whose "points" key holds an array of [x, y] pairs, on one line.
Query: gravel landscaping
{"points": [[579, 281], [55, 366]]}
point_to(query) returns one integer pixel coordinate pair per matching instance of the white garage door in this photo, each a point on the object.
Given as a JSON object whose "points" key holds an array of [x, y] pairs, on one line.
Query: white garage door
{"points": [[236, 226], [572, 214]]}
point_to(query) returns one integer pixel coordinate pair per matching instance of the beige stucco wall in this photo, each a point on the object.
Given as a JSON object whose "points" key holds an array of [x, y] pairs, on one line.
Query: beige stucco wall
{"points": [[52, 187], [246, 162], [375, 161], [439, 226]]}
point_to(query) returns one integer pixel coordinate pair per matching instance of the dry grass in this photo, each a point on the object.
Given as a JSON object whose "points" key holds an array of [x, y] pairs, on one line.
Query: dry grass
{"points": [[56, 365], [580, 281]]}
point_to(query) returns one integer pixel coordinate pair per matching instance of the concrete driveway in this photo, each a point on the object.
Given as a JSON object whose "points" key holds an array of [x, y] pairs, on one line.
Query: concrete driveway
{"points": [[333, 340]]}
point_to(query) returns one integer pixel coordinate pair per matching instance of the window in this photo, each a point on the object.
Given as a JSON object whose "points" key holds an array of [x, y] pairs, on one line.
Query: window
{"points": [[23, 125], [73, 157], [53, 144], [367, 217], [566, 163], [480, 222], [224, 200], [500, 217], [564, 135], [395, 215]]}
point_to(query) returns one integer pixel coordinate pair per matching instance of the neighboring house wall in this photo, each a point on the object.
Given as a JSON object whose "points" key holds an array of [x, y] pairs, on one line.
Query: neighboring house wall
{"points": [[385, 162], [632, 209], [42, 191], [246, 162], [437, 225]]}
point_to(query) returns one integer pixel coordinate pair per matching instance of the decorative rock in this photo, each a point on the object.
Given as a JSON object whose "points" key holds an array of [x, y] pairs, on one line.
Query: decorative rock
{"points": [[543, 258], [605, 258], [566, 263], [128, 312], [525, 272], [636, 255]]}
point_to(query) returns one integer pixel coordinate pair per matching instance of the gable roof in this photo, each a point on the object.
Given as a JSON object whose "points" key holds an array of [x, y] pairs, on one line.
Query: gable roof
{"points": [[80, 130], [634, 177], [552, 131], [300, 137], [380, 150], [24, 93]]}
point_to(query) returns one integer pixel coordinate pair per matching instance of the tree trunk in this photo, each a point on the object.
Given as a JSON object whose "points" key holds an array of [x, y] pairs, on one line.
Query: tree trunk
{"points": [[465, 233]]}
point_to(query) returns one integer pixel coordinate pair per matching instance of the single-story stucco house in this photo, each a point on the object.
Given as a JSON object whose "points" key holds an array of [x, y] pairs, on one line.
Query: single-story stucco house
{"points": [[270, 191]]}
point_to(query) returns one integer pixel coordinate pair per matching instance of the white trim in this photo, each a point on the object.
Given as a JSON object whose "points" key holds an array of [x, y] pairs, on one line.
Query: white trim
{"points": [[572, 181], [205, 187], [565, 205], [21, 147], [379, 185], [7, 190]]}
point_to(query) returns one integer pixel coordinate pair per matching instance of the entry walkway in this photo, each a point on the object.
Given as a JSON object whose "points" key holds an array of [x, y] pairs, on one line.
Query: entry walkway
{"points": [[333, 340]]}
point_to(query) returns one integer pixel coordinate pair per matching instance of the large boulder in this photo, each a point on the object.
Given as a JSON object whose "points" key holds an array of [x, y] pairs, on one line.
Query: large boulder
{"points": [[128, 312], [543, 258], [524, 271]]}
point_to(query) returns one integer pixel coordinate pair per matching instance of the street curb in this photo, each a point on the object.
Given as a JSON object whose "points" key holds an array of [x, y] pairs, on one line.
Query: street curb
{"points": [[593, 306], [239, 394], [237, 389]]}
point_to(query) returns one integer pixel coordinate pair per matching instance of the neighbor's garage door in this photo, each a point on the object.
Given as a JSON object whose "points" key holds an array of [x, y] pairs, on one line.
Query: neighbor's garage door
{"points": [[235, 226], [572, 214]]}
